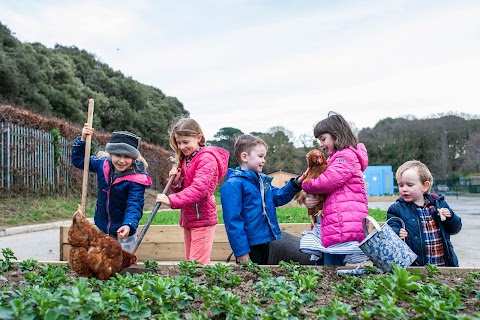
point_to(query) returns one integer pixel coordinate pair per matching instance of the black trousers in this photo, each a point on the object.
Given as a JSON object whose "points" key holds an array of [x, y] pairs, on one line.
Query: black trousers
{"points": [[259, 253]]}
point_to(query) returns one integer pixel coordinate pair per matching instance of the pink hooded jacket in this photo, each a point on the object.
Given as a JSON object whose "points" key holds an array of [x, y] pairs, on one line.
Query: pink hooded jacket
{"points": [[195, 195], [346, 202]]}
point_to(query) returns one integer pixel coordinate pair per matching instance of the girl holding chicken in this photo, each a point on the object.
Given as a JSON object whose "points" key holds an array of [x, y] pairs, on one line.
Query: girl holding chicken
{"points": [[346, 202]]}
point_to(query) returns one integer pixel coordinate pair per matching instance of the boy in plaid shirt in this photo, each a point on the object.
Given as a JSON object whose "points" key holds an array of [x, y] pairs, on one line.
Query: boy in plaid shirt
{"points": [[428, 219]]}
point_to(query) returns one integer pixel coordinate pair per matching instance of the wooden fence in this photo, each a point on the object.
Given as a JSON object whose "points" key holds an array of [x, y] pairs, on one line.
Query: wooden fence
{"points": [[27, 160]]}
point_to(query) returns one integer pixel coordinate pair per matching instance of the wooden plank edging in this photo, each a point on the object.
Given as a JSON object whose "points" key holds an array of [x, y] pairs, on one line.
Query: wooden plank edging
{"points": [[166, 243]]}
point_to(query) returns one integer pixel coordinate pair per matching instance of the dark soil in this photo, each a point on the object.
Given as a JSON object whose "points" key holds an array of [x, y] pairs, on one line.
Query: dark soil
{"points": [[325, 290]]}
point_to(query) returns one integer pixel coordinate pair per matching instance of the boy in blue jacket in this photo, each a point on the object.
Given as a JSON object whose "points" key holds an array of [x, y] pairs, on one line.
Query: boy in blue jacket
{"points": [[428, 219], [249, 201]]}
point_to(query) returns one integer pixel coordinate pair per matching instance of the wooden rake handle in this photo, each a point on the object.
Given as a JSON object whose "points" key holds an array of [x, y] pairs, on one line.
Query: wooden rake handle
{"points": [[86, 160]]}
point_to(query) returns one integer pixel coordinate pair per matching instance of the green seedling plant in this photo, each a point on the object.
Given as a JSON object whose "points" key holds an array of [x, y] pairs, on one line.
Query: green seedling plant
{"points": [[52, 276], [134, 308], [189, 267], [151, 264], [227, 305], [111, 298], [466, 288], [221, 275], [6, 263], [432, 270], [352, 285], [27, 265], [250, 266], [400, 284], [386, 308], [336, 310]]}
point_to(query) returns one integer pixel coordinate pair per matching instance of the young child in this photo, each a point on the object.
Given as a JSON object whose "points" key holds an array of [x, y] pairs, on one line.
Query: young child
{"points": [[121, 180], [346, 202], [193, 187], [249, 201], [428, 219]]}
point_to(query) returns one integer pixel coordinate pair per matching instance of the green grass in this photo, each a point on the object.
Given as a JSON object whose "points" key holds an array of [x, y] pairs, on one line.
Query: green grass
{"points": [[285, 215], [17, 211]]}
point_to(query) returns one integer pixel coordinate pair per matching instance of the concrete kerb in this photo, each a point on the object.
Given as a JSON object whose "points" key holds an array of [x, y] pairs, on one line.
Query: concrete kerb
{"points": [[34, 228], [41, 227]]}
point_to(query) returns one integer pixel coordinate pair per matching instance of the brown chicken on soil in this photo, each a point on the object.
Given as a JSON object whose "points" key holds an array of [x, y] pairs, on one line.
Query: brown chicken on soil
{"points": [[317, 163], [93, 253]]}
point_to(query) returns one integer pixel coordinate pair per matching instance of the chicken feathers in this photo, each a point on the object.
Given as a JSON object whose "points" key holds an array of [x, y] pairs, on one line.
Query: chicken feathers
{"points": [[93, 253]]}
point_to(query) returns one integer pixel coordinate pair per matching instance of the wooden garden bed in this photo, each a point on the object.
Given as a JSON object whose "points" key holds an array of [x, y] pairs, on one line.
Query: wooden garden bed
{"points": [[165, 242]]}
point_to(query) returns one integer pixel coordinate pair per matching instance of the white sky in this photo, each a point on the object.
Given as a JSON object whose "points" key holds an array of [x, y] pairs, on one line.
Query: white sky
{"points": [[253, 65]]}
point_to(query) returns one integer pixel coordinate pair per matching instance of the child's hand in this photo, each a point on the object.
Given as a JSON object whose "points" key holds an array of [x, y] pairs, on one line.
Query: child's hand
{"points": [[444, 213], [122, 232], [403, 234], [302, 177], [175, 171], [244, 258], [311, 202], [87, 130], [162, 198]]}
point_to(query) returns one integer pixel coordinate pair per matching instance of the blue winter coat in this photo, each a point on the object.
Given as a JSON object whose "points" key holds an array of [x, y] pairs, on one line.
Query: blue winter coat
{"points": [[407, 211], [120, 197], [243, 216]]}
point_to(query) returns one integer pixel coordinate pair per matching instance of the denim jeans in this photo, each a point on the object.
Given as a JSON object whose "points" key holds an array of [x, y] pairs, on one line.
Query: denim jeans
{"points": [[333, 259]]}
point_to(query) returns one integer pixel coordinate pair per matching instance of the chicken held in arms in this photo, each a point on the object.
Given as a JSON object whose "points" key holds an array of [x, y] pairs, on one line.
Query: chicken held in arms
{"points": [[93, 253], [317, 163]]}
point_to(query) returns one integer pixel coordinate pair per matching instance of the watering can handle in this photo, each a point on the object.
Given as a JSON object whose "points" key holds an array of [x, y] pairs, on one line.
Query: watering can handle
{"points": [[373, 221], [376, 225]]}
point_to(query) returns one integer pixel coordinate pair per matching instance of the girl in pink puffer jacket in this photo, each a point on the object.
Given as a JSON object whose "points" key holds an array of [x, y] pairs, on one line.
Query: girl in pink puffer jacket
{"points": [[346, 202], [194, 185]]}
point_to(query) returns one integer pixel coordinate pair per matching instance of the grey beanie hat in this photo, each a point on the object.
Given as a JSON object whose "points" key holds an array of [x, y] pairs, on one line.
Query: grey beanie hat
{"points": [[124, 143]]}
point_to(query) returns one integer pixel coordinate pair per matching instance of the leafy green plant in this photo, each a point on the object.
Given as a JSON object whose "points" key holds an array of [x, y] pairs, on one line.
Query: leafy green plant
{"points": [[27, 265], [336, 310], [221, 275], [351, 286], [6, 262], [57, 151], [386, 308], [134, 308], [225, 304], [189, 267], [466, 288], [399, 284], [432, 270], [151, 264]]}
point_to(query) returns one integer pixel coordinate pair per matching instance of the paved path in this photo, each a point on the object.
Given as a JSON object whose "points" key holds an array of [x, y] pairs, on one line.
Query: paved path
{"points": [[44, 245]]}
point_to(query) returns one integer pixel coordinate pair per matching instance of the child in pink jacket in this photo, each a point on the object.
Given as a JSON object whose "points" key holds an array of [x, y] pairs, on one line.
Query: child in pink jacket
{"points": [[194, 185], [346, 202]]}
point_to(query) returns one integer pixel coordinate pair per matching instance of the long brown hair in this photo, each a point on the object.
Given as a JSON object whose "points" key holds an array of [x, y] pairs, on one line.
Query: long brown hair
{"points": [[339, 129], [184, 127]]}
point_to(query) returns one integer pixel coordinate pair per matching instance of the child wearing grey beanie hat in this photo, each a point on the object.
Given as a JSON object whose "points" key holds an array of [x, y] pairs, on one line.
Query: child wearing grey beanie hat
{"points": [[121, 181], [124, 143]]}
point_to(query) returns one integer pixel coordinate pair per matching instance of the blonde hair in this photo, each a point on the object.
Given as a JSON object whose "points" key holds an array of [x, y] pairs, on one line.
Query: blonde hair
{"points": [[184, 127], [102, 154], [422, 170]]}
